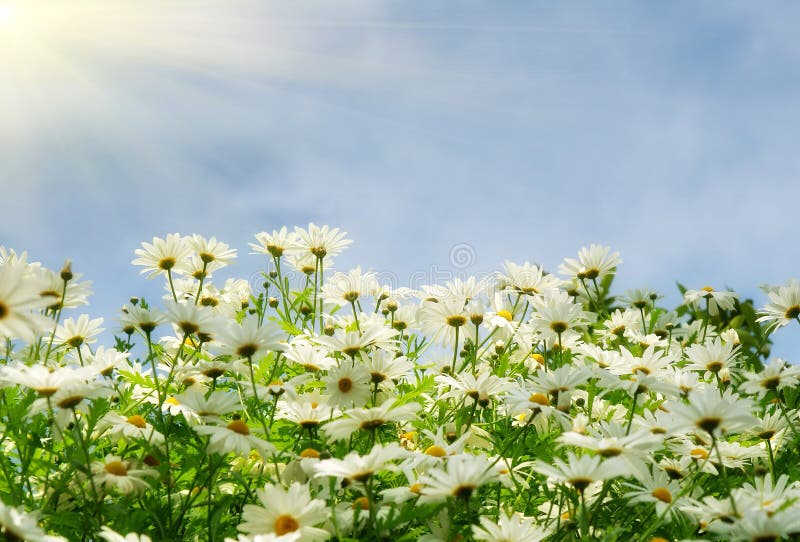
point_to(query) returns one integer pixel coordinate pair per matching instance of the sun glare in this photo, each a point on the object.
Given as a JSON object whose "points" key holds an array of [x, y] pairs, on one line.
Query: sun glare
{"points": [[6, 14]]}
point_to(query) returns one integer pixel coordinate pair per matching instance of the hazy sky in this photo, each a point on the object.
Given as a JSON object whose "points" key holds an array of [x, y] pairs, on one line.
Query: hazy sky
{"points": [[526, 130]]}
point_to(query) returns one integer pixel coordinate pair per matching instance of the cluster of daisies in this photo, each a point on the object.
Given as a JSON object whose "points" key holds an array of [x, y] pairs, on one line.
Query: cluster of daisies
{"points": [[325, 405]]}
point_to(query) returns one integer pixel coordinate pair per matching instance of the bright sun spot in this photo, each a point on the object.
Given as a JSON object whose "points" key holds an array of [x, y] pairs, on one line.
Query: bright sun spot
{"points": [[6, 14]]}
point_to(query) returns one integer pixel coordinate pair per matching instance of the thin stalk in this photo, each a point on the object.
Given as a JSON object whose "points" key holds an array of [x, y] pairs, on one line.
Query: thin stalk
{"points": [[98, 512], [724, 475], [632, 411], [200, 286], [55, 324], [172, 286]]}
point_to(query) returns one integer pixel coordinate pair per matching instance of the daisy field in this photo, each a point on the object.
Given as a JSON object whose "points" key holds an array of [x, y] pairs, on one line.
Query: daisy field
{"points": [[376, 271]]}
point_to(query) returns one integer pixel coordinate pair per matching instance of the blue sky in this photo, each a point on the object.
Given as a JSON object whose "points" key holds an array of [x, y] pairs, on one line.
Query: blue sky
{"points": [[524, 129]]}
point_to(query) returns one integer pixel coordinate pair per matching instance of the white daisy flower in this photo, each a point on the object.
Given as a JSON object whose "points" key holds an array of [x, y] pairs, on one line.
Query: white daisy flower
{"points": [[713, 414], [360, 468], [162, 255], [527, 278], [211, 251], [443, 318], [19, 298], [114, 472], [109, 535], [235, 437], [593, 263], [117, 427], [311, 358], [347, 288], [784, 306], [286, 511], [715, 299], [351, 343], [321, 242], [348, 385], [460, 476], [198, 406], [370, 419], [77, 332], [249, 339], [509, 527], [16, 524], [275, 243], [581, 471]]}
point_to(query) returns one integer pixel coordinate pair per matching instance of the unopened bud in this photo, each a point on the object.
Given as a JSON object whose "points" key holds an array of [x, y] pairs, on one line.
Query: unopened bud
{"points": [[66, 271]]}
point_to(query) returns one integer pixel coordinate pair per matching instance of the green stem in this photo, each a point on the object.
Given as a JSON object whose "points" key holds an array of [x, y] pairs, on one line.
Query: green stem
{"points": [[632, 411], [771, 460], [55, 325], [98, 512], [455, 353], [255, 396], [171, 285], [200, 286], [724, 475]]}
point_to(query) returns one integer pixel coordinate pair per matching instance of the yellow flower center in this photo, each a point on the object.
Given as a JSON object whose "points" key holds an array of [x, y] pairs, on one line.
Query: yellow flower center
{"points": [[70, 402], [464, 491], [166, 263], [117, 468], [361, 503], [350, 350], [505, 314], [436, 451], [559, 327], [172, 401], [247, 350], [456, 321], [580, 483], [592, 273], [707, 289], [698, 453], [709, 423], [285, 524], [238, 426], [662, 494], [310, 452], [46, 392], [138, 421], [345, 385], [539, 399]]}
